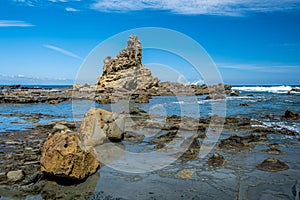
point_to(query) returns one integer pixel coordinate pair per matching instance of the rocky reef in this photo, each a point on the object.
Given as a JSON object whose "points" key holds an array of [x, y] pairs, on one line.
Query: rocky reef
{"points": [[126, 78]]}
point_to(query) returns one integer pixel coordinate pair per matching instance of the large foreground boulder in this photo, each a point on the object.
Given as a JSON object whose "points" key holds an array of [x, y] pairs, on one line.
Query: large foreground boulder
{"points": [[99, 124], [64, 155]]}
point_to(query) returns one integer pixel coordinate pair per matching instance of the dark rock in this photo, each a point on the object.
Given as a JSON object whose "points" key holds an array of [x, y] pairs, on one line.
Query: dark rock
{"points": [[291, 115], [238, 143], [272, 165], [244, 104], [216, 160], [235, 93], [215, 96]]}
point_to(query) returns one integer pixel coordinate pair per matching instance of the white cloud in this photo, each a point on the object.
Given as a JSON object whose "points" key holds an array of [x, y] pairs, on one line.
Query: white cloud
{"points": [[14, 23], [69, 9], [271, 68], [54, 1], [63, 51], [210, 7]]}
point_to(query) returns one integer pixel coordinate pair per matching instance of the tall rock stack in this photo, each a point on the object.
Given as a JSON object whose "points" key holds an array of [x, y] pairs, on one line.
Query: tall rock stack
{"points": [[125, 77]]}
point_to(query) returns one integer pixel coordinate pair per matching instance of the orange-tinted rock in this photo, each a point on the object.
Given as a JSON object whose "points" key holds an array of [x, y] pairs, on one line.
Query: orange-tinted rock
{"points": [[64, 155]]}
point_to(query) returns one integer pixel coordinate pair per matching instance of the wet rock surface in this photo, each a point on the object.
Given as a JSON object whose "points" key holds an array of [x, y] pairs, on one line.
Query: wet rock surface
{"points": [[173, 131]]}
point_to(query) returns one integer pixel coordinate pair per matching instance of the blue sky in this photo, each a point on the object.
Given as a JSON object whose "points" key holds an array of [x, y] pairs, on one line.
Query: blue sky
{"points": [[251, 41]]}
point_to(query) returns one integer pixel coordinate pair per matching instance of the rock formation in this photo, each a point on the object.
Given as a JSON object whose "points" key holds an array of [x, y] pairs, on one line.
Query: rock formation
{"points": [[125, 77], [125, 74], [64, 155], [99, 124]]}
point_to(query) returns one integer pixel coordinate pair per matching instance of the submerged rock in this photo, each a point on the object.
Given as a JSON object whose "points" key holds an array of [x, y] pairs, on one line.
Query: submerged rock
{"points": [[216, 160], [272, 165], [289, 114], [64, 155], [185, 174], [99, 124]]}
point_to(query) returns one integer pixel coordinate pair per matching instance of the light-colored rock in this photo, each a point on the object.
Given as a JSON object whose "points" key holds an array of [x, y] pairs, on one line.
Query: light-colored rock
{"points": [[53, 102], [15, 176], [59, 126], [99, 124], [185, 174], [125, 74], [64, 155]]}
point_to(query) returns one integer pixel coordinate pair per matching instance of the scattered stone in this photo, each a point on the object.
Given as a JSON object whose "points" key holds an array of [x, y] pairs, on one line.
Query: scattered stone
{"points": [[296, 90], [272, 165], [215, 96], [15, 176], [289, 114], [244, 104], [216, 160], [238, 143], [235, 93], [185, 174], [65, 156], [99, 124], [53, 101], [273, 151], [60, 127]]}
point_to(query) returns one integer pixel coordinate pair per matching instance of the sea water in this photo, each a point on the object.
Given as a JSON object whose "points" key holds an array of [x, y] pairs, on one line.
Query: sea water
{"points": [[262, 101]]}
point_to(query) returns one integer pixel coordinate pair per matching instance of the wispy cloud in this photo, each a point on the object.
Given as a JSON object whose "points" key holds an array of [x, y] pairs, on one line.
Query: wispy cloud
{"points": [[63, 51], [69, 9], [210, 7], [275, 68], [25, 79], [14, 23]]}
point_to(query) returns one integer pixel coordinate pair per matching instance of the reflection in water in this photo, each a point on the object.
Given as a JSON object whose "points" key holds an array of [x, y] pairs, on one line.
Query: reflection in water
{"points": [[51, 190]]}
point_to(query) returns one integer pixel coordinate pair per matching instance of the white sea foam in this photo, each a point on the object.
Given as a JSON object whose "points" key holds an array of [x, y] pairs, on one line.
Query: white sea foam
{"points": [[273, 89], [279, 125]]}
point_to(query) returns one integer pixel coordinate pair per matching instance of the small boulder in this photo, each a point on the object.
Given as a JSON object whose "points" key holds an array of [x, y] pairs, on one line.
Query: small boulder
{"points": [[235, 93], [244, 104], [53, 101], [185, 174], [289, 114], [272, 165], [64, 155], [215, 96], [15, 176], [99, 124], [216, 160]]}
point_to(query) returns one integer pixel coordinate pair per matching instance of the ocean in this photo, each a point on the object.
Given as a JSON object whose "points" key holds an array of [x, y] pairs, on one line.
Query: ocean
{"points": [[189, 178], [262, 101]]}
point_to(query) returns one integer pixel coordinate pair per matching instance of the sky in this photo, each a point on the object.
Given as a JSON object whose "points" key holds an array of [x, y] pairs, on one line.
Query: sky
{"points": [[250, 41]]}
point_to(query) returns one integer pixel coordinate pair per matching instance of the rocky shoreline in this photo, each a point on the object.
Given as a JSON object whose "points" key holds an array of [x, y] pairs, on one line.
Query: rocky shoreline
{"points": [[20, 151]]}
